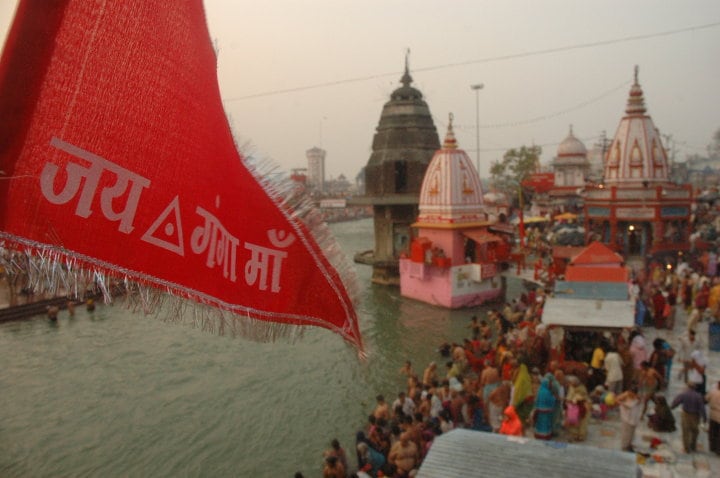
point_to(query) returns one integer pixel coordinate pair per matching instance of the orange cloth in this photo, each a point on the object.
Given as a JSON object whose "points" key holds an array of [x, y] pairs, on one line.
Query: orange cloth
{"points": [[511, 424]]}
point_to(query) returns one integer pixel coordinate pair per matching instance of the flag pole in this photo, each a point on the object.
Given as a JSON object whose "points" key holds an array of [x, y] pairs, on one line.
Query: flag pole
{"points": [[520, 216]]}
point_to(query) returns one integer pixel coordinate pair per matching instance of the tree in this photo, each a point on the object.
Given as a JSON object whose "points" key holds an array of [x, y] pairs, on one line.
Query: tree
{"points": [[516, 166]]}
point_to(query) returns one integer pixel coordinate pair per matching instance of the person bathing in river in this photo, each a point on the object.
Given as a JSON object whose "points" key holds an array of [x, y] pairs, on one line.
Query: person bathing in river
{"points": [[406, 369], [333, 468], [52, 312], [474, 327], [338, 452], [382, 409], [430, 374]]}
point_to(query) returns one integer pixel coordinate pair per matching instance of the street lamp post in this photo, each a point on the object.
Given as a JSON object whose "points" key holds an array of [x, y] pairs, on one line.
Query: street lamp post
{"points": [[477, 87]]}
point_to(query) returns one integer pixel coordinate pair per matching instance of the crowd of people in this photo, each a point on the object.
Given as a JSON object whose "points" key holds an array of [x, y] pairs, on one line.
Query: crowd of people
{"points": [[513, 375]]}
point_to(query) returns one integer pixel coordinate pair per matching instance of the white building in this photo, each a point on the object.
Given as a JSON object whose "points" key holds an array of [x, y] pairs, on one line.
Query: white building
{"points": [[316, 168]]}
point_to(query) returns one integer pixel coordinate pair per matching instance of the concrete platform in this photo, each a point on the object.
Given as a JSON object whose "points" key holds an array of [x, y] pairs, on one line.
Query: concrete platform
{"points": [[606, 433]]}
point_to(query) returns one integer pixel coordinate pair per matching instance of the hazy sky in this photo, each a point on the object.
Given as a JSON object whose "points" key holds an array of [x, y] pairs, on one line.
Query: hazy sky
{"points": [[529, 97]]}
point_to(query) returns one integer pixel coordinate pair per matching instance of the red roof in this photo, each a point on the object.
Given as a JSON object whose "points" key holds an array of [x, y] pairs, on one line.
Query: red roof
{"points": [[597, 263], [566, 252], [613, 273], [481, 236], [597, 253]]}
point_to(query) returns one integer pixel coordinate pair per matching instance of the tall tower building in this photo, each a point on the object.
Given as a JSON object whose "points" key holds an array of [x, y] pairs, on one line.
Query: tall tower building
{"points": [[404, 143], [316, 168]]}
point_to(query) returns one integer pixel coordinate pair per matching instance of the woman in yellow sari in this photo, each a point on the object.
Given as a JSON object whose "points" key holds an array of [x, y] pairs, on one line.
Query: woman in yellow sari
{"points": [[522, 396]]}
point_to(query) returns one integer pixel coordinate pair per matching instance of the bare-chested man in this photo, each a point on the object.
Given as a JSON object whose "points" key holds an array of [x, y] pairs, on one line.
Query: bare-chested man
{"points": [[444, 392], [52, 312], [407, 369], [382, 409], [649, 381], [430, 374], [404, 455], [333, 468], [424, 406], [413, 386], [458, 355], [474, 327], [489, 380]]}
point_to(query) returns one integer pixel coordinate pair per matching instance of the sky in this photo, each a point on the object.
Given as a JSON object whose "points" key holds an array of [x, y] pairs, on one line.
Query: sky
{"points": [[295, 74]]}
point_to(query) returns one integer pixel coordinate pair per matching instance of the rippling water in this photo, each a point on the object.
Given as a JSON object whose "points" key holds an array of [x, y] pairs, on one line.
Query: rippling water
{"points": [[117, 394]]}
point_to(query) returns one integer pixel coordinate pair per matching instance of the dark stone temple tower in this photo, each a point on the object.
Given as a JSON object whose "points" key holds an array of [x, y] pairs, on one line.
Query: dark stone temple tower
{"points": [[404, 143]]}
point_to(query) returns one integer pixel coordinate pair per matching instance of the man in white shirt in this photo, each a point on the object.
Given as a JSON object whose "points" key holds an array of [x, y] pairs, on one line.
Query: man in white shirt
{"points": [[696, 371], [630, 412], [689, 343], [614, 375], [405, 403]]}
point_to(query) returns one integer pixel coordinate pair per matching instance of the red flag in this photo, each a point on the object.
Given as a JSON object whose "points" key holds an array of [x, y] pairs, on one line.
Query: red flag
{"points": [[521, 218], [116, 153]]}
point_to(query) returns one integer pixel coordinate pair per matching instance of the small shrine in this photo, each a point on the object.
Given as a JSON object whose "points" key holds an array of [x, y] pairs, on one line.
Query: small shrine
{"points": [[455, 255], [570, 168], [560, 190], [637, 210], [593, 297]]}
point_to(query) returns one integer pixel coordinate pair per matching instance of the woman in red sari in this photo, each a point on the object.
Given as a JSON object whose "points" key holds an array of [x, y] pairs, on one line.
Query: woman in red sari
{"points": [[511, 424]]}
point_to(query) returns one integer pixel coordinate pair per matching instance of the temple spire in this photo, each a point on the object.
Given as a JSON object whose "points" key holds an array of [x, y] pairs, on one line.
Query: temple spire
{"points": [[406, 78], [636, 101], [450, 141]]}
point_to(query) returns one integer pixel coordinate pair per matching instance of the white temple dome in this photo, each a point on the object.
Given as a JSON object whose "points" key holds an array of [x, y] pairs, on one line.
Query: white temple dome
{"points": [[451, 192], [636, 155], [571, 147]]}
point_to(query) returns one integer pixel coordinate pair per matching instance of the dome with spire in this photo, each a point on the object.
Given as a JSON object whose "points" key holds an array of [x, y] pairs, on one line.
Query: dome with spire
{"points": [[636, 155], [571, 165], [404, 143], [451, 192], [571, 147], [406, 92]]}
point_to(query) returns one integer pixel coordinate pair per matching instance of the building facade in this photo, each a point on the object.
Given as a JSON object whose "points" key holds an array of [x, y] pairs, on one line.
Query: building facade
{"points": [[454, 257], [638, 210], [316, 168]]}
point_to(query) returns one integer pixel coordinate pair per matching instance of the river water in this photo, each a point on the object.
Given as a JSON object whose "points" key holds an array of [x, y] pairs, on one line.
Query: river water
{"points": [[114, 393]]}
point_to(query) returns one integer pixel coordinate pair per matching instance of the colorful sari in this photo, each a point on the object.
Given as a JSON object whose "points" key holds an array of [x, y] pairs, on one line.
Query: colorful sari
{"points": [[558, 392], [544, 411], [511, 424], [522, 392]]}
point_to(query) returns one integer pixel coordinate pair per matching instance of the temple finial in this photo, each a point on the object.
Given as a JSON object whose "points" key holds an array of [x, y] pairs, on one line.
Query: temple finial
{"points": [[407, 79], [636, 103], [450, 141]]}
